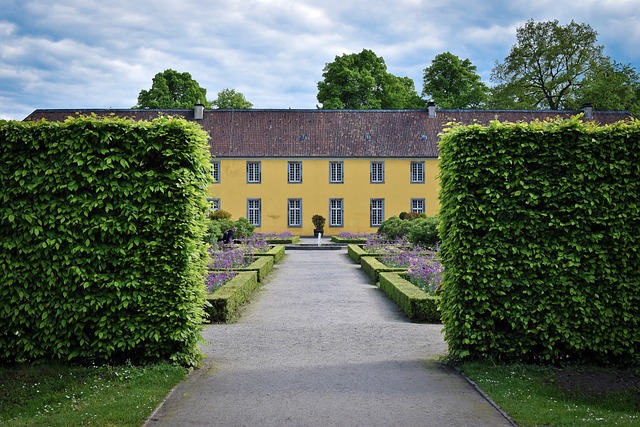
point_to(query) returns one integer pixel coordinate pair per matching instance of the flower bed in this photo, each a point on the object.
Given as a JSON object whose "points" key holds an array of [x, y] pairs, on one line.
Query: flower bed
{"points": [[424, 269], [415, 303], [235, 271], [280, 238], [346, 237], [409, 275], [223, 304]]}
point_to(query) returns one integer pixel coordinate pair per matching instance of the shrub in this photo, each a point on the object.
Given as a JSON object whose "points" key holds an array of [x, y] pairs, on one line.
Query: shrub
{"points": [[540, 237], [394, 228], [219, 214], [102, 255], [318, 221], [424, 231], [416, 228]]}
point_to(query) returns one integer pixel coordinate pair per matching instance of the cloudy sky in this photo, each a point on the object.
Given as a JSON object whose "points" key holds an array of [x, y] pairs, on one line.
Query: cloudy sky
{"points": [[100, 54]]}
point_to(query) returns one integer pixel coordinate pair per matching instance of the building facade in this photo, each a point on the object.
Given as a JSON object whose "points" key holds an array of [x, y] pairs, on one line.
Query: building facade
{"points": [[278, 168]]}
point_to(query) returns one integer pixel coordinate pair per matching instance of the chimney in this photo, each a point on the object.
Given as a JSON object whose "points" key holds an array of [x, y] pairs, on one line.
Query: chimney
{"points": [[198, 111], [431, 109], [588, 111]]}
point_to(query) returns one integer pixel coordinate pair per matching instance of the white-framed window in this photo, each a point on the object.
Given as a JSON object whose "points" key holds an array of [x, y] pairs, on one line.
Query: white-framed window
{"points": [[214, 203], [377, 212], [254, 211], [377, 172], [417, 205], [417, 172], [253, 172], [215, 172], [336, 172], [295, 212], [336, 212], [295, 172]]}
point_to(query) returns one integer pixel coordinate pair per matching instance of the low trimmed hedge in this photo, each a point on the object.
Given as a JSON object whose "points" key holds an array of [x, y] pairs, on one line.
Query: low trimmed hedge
{"points": [[348, 240], [373, 267], [277, 252], [277, 241], [356, 251], [262, 266], [413, 301], [224, 302]]}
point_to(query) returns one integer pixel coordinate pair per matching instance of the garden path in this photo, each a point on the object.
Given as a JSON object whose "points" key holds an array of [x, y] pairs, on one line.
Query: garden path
{"points": [[321, 346]]}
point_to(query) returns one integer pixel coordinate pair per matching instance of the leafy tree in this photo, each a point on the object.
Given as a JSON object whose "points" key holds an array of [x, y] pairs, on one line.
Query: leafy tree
{"points": [[399, 93], [229, 99], [171, 89], [547, 63], [610, 86], [360, 81], [453, 83]]}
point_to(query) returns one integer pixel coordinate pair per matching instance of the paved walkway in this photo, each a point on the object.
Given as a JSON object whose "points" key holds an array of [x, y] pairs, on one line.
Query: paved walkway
{"points": [[321, 346]]}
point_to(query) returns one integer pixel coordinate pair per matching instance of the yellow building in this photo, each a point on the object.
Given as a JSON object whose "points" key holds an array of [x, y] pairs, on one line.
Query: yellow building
{"points": [[356, 168]]}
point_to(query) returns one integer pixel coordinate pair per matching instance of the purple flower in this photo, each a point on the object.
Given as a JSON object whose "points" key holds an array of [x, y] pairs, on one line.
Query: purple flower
{"points": [[423, 265], [215, 279]]}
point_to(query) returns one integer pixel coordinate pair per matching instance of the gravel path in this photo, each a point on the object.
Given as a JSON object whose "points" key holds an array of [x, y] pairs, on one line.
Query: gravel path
{"points": [[321, 346]]}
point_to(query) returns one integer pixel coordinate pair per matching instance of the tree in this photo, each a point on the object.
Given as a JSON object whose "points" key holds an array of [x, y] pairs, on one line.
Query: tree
{"points": [[610, 86], [171, 89], [547, 63], [453, 83], [229, 99], [360, 81]]}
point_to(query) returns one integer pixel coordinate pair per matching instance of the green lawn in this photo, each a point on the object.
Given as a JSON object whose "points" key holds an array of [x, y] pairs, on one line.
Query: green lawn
{"points": [[571, 397], [58, 395]]}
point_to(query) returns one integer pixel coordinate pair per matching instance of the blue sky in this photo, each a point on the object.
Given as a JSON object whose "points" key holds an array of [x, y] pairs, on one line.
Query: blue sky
{"points": [[100, 54]]}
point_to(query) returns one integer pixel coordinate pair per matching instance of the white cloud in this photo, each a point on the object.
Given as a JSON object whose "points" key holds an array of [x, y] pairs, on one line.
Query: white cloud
{"points": [[92, 53]]}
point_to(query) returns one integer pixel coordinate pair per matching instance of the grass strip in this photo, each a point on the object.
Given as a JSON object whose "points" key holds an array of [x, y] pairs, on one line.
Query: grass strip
{"points": [[58, 395], [567, 397]]}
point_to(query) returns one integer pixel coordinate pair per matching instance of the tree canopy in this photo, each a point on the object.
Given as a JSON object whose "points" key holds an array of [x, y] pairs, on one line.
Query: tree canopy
{"points": [[610, 86], [547, 63], [453, 83], [229, 99], [360, 81], [171, 89]]}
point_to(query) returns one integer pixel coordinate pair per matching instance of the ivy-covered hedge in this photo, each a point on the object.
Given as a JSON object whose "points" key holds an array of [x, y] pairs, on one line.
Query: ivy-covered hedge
{"points": [[102, 256], [540, 229]]}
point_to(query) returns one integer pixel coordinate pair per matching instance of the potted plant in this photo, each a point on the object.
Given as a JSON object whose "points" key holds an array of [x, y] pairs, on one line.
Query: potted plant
{"points": [[318, 224]]}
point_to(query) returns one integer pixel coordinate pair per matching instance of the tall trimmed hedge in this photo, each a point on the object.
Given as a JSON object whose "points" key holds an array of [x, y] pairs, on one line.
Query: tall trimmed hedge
{"points": [[102, 256], [540, 229]]}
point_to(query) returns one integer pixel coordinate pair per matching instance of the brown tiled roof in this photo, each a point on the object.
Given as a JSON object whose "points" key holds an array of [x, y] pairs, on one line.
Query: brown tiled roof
{"points": [[329, 133]]}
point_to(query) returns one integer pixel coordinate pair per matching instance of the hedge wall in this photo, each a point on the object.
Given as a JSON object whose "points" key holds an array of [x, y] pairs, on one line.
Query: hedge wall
{"points": [[540, 228], [102, 255]]}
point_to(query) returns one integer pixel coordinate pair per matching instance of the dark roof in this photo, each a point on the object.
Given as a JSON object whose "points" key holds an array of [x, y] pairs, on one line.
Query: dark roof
{"points": [[329, 133]]}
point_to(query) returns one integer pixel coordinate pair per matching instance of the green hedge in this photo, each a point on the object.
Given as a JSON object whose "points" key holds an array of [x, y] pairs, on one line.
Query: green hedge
{"points": [[277, 252], [373, 267], [102, 255], [540, 229], [356, 251], [261, 265], [279, 241], [224, 302], [413, 301], [348, 240]]}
